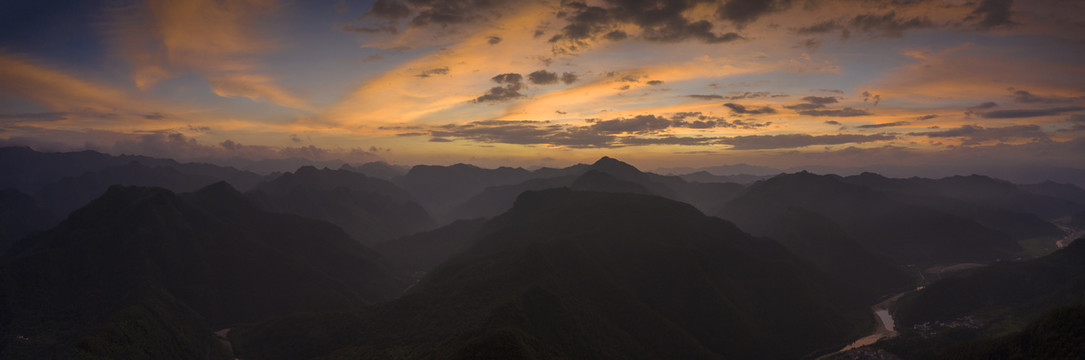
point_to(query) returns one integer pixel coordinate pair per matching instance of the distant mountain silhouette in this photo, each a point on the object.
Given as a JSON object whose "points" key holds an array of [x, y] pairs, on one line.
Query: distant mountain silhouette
{"points": [[975, 189], [906, 233], [440, 188], [144, 273], [568, 274], [606, 174], [993, 203], [378, 169], [71, 193], [725, 170], [371, 210], [28, 170], [20, 216], [1056, 190], [706, 177]]}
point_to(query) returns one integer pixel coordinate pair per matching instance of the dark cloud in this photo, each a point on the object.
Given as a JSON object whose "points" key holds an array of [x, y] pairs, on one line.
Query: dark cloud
{"points": [[568, 78], [596, 134], [542, 77], [493, 40], [831, 91], [820, 28], [977, 134], [39, 116], [742, 12], [705, 97], [199, 129], [845, 112], [657, 21], [813, 102], [508, 78], [449, 12], [616, 35], [752, 95], [295, 138], [740, 109], [512, 82], [1026, 113], [984, 106], [389, 9], [884, 125], [993, 13], [438, 139], [888, 25], [1027, 97], [431, 72], [640, 124], [698, 120], [867, 96], [654, 82], [832, 122], [154, 116], [874, 25], [668, 140], [788, 141], [926, 117]]}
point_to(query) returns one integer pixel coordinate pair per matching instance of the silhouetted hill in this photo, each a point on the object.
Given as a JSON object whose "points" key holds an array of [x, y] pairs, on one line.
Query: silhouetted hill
{"points": [[371, 210], [440, 188], [993, 203], [1060, 334], [995, 311], [824, 244], [904, 232], [378, 169], [595, 180], [568, 274], [419, 253], [980, 190], [20, 216], [607, 174], [1004, 294], [725, 170], [706, 177], [1056, 190], [28, 170], [144, 273], [71, 193]]}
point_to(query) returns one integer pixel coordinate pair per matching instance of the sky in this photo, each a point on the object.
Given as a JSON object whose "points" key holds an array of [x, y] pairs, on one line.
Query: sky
{"points": [[550, 83]]}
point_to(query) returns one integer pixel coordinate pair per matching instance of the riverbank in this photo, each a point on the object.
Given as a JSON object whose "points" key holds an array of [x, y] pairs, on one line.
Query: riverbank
{"points": [[886, 327]]}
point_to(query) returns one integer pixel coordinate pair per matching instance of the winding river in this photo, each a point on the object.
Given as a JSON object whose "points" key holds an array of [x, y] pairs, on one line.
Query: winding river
{"points": [[884, 330]]}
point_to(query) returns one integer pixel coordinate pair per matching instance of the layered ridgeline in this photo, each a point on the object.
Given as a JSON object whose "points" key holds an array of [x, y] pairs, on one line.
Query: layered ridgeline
{"points": [[999, 299], [606, 174], [144, 273], [371, 210], [20, 215], [569, 274], [904, 232]]}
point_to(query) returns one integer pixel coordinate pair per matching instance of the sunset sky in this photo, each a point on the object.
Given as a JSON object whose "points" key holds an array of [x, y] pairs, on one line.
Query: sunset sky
{"points": [[527, 83]]}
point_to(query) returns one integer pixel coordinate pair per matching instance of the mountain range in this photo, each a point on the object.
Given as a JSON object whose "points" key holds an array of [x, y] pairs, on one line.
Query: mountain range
{"points": [[107, 256]]}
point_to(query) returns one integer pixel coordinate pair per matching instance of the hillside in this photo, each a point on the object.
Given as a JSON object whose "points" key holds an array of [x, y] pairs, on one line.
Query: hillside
{"points": [[568, 274], [142, 272]]}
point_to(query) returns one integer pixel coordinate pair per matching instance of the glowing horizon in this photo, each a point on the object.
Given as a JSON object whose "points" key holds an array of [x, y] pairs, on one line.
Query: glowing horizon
{"points": [[670, 83]]}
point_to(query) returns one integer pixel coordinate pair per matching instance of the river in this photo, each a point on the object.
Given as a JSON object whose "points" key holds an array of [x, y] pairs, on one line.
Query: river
{"points": [[885, 329]]}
